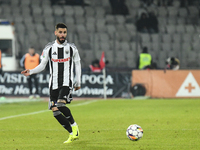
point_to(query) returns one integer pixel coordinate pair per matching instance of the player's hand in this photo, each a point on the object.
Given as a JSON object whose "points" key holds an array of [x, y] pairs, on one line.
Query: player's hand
{"points": [[26, 72], [76, 88]]}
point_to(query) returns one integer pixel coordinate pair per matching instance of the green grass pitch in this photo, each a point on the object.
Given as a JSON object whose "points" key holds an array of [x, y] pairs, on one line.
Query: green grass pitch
{"points": [[168, 124]]}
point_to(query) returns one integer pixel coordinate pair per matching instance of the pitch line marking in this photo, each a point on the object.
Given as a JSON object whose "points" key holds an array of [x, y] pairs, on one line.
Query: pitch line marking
{"points": [[38, 112]]}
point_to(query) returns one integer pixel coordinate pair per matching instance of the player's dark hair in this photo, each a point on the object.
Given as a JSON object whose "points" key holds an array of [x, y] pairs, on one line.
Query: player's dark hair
{"points": [[60, 25], [31, 47]]}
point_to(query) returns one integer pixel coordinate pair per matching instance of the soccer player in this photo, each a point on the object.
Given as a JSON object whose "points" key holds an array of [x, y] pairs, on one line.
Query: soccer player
{"points": [[61, 56]]}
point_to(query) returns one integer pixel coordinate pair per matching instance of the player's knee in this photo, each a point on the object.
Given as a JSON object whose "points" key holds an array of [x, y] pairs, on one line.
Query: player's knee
{"points": [[60, 104], [56, 113], [54, 108]]}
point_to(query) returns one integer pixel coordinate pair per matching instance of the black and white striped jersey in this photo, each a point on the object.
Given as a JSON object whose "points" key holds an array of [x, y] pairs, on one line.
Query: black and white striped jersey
{"points": [[61, 58]]}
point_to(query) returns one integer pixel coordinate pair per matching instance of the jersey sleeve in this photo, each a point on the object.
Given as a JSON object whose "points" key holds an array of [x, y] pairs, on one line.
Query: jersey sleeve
{"points": [[76, 56]]}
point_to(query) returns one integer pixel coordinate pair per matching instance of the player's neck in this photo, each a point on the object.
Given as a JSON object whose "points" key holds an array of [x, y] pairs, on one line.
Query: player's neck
{"points": [[60, 43]]}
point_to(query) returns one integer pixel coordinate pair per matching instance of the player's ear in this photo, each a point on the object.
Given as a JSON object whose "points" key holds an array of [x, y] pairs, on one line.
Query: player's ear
{"points": [[55, 32]]}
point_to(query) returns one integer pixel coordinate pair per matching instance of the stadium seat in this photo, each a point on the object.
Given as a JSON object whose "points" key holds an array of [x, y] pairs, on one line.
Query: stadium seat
{"points": [[47, 11], [131, 59], [186, 47], [163, 29], [183, 12], [125, 36], [80, 19], [162, 20], [187, 37], [125, 46], [89, 11], [181, 20], [88, 56], [110, 19], [130, 27], [18, 19], [196, 46], [120, 19], [180, 28], [162, 12], [145, 37], [166, 38], [133, 47], [177, 37], [105, 45], [155, 38], [171, 29], [176, 46], [120, 59], [111, 29], [172, 11], [190, 29], [90, 27], [193, 11], [109, 56], [68, 10], [156, 46], [172, 21], [25, 3], [166, 47], [100, 12], [103, 37], [58, 10], [78, 11], [100, 25]]}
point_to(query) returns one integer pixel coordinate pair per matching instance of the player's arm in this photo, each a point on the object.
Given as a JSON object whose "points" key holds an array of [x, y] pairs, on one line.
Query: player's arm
{"points": [[39, 68], [77, 85]]}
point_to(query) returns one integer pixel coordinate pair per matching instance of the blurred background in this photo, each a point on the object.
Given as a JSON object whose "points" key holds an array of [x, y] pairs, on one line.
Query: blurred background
{"points": [[171, 29]]}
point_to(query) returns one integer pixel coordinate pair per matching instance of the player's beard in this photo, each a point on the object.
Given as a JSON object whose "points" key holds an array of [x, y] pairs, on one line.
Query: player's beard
{"points": [[61, 41]]}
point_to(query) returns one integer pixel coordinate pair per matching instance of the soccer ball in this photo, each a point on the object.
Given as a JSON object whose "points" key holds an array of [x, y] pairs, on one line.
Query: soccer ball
{"points": [[134, 132]]}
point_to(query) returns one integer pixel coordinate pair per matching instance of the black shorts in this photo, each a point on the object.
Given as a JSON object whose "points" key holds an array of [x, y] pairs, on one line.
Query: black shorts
{"points": [[63, 93]]}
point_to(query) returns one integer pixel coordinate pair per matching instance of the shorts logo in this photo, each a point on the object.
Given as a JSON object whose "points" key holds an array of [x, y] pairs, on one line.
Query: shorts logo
{"points": [[60, 60]]}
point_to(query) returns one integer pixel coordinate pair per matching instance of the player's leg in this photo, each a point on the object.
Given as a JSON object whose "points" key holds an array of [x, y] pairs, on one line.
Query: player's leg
{"points": [[58, 115], [65, 97], [64, 122]]}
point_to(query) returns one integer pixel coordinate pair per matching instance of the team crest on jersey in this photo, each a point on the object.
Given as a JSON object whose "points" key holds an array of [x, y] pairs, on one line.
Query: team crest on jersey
{"points": [[67, 52]]}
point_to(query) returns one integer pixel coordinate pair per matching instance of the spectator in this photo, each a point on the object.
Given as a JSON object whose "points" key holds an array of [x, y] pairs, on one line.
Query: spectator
{"points": [[142, 23], [29, 61], [144, 60], [173, 63], [95, 67], [119, 7], [152, 23]]}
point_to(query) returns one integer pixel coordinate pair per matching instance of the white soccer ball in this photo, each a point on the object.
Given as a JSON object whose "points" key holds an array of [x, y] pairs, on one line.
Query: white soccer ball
{"points": [[134, 132]]}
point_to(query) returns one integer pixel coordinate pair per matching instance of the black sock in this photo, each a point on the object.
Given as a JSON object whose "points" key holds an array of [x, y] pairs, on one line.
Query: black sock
{"points": [[63, 121], [66, 111]]}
